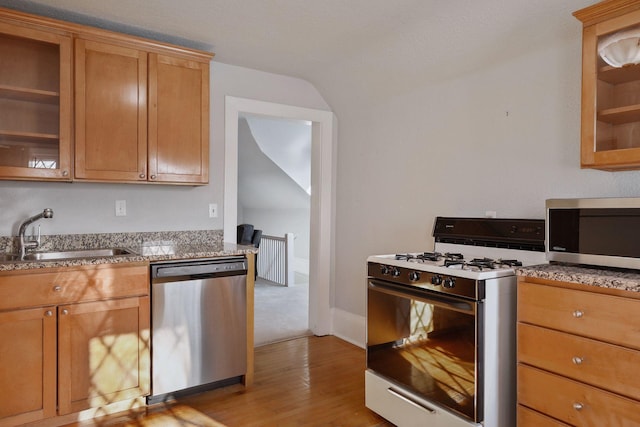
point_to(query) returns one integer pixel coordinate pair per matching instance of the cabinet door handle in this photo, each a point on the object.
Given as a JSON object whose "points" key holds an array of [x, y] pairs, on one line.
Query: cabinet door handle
{"points": [[57, 288], [142, 176], [65, 312], [65, 173], [48, 313], [577, 360], [578, 406], [153, 177], [578, 314]]}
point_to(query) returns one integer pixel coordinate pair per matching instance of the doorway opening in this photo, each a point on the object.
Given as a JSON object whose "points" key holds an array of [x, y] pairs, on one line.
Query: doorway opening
{"points": [[321, 229], [274, 198]]}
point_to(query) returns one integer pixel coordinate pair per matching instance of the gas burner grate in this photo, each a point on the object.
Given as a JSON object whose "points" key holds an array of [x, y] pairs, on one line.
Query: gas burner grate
{"points": [[509, 262], [454, 263], [482, 263], [430, 256], [454, 256]]}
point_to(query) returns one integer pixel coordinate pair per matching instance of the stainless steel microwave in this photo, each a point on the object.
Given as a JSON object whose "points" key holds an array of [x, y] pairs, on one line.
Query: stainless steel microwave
{"points": [[603, 232]]}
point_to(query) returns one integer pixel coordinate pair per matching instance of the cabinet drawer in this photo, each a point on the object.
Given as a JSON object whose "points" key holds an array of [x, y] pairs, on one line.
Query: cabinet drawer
{"points": [[572, 402], [580, 358], [402, 409], [529, 418], [65, 285], [604, 317]]}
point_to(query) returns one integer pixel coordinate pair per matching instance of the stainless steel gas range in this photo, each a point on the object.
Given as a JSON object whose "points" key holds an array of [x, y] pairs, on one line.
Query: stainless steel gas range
{"points": [[441, 325]]}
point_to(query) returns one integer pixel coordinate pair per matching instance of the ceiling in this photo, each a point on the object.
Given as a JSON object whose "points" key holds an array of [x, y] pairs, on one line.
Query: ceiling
{"points": [[262, 184], [308, 38]]}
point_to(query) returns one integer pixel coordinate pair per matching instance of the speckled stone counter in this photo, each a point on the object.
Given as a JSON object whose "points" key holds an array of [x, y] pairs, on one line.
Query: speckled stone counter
{"points": [[628, 280], [149, 246]]}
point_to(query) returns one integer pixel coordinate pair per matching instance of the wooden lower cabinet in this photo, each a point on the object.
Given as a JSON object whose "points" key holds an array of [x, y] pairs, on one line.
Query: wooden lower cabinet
{"points": [[103, 351], [83, 350], [528, 417], [27, 365], [578, 355]]}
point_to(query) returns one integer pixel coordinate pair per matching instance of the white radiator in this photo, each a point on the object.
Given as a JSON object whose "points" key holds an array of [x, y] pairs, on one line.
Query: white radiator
{"points": [[275, 259]]}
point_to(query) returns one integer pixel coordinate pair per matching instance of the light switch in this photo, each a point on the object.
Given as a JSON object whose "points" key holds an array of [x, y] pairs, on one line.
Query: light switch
{"points": [[213, 210], [121, 208]]}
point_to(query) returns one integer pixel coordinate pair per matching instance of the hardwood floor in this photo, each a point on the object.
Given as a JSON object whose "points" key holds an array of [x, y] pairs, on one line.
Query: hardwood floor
{"points": [[309, 381]]}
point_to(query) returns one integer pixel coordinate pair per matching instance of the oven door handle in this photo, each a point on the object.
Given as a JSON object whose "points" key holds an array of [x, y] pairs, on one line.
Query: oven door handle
{"points": [[424, 296], [397, 393]]}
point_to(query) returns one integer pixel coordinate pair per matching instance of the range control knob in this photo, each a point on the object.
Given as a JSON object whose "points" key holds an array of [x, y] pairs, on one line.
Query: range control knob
{"points": [[449, 282], [414, 276], [395, 272], [436, 280], [384, 270]]}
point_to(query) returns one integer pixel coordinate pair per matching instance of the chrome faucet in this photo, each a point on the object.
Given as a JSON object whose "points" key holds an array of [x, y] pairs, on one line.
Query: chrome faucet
{"points": [[31, 244]]}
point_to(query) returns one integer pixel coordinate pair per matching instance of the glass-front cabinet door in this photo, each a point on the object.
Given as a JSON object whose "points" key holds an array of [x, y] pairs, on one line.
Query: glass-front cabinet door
{"points": [[610, 133], [35, 103]]}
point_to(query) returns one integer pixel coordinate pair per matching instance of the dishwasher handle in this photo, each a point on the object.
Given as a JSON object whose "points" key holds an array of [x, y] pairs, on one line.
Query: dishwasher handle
{"points": [[200, 269]]}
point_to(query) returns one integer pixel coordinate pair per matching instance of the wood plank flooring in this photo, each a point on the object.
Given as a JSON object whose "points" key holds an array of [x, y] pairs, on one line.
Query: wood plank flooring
{"points": [[309, 381]]}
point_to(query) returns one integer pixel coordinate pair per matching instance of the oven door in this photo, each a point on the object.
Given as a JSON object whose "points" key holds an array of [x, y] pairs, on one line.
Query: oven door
{"points": [[427, 343]]}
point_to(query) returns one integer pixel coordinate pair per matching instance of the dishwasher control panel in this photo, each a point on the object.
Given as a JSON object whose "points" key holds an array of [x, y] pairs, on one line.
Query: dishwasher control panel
{"points": [[205, 267]]}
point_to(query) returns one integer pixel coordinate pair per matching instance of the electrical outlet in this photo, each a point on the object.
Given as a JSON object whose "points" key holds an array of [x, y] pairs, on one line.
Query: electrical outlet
{"points": [[213, 210], [121, 208]]}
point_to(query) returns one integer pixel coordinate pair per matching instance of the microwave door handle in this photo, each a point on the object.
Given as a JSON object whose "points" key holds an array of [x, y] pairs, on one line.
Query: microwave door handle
{"points": [[429, 298]]}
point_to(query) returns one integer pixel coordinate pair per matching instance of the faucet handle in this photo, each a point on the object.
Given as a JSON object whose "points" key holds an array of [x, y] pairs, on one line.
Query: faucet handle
{"points": [[38, 238]]}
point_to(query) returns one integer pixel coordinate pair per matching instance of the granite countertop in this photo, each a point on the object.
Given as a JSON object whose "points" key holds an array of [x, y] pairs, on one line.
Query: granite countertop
{"points": [[628, 280], [161, 246]]}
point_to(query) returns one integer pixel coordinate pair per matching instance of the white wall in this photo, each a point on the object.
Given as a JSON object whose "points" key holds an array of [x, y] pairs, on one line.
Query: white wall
{"points": [[89, 208], [411, 149]]}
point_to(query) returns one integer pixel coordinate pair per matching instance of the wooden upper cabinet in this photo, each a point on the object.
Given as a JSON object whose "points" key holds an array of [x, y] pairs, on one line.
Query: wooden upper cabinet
{"points": [[111, 112], [139, 108], [121, 135], [178, 120], [610, 133], [35, 102]]}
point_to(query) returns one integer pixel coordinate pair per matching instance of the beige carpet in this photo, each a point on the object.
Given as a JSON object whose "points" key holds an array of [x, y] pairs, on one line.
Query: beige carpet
{"points": [[281, 312]]}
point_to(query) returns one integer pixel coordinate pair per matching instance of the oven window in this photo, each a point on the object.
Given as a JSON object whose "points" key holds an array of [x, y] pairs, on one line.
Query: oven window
{"points": [[431, 348]]}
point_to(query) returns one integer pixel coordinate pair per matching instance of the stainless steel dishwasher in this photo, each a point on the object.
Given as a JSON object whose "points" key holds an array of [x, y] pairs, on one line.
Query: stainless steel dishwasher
{"points": [[198, 325]]}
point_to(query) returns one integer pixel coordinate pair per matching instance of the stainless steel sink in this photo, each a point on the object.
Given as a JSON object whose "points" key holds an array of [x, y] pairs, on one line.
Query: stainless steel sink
{"points": [[75, 254]]}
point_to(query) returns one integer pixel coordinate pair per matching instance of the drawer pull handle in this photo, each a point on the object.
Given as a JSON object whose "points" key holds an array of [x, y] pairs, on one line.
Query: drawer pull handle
{"points": [[578, 406], [65, 311], [48, 313], [577, 360], [57, 288], [578, 314]]}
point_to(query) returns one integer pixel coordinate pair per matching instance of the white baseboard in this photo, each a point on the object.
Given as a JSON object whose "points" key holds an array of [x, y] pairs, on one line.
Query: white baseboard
{"points": [[349, 327]]}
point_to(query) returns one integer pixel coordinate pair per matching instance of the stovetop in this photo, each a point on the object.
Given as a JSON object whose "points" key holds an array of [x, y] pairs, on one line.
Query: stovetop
{"points": [[472, 268], [474, 248]]}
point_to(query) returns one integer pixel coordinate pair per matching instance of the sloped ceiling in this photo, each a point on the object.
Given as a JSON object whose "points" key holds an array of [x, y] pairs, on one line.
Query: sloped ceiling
{"points": [[287, 143], [386, 41], [261, 183]]}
